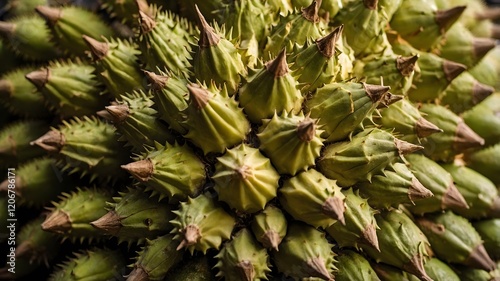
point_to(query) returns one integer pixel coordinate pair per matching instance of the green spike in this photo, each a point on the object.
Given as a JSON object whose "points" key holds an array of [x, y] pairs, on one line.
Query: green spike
{"points": [[354, 267], [484, 119], [487, 70]]}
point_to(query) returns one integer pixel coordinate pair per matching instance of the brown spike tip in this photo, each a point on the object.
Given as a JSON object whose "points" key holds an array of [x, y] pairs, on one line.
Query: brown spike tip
{"points": [[406, 147], [278, 66], [271, 239], [446, 18], [119, 112], [310, 13], [39, 77], [481, 46], [98, 49], [246, 270], [371, 4], [424, 128], [147, 22], [415, 266], [52, 15], [452, 198], [334, 208], [208, 37], [191, 236], [198, 95], [495, 208], [316, 267], [389, 99], [6, 89], [52, 141], [406, 65], [326, 45], [495, 34], [369, 236], [244, 172], [25, 249], [417, 191], [4, 186], [57, 222], [492, 13], [141, 170], [138, 274], [376, 92], [7, 28], [452, 69], [109, 223], [158, 82], [466, 138], [480, 92], [480, 259], [306, 130]]}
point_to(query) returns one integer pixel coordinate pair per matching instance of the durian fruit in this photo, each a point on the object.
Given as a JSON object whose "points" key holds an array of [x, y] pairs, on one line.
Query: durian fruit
{"points": [[454, 239], [194, 224], [93, 264], [305, 253], [269, 227], [314, 199], [245, 179], [171, 170], [134, 216], [354, 267], [242, 258]]}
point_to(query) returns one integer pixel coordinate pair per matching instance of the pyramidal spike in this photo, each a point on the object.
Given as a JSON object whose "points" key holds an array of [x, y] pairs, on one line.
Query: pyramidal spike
{"points": [[272, 239], [208, 37], [481, 46], [418, 191], [311, 12], [52, 141], [416, 267], [49, 13], [389, 99], [109, 223], [147, 22], [371, 4], [98, 49], [479, 258], [370, 236], [191, 235], [446, 18], [424, 128], [119, 112], [481, 91], [376, 92], [334, 207], [6, 28], [138, 274], [278, 66], [58, 222], [326, 45], [39, 77], [158, 82], [495, 208], [142, 170], [306, 130], [406, 65], [406, 147], [105, 114], [316, 268], [198, 95], [453, 198], [247, 270], [452, 69], [466, 138]]}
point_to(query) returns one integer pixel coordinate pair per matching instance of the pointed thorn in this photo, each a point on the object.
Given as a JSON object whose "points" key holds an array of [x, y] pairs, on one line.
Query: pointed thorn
{"points": [[58, 222], [389, 99], [417, 191], [119, 112], [492, 13], [424, 128], [191, 236], [271, 239], [316, 267], [415, 266], [278, 66], [158, 82], [452, 69], [208, 37], [198, 96], [246, 270], [306, 130], [141, 170], [6, 89], [406, 147], [4, 186], [371, 4], [52, 141], [109, 223], [25, 249], [334, 208], [7, 28], [147, 22], [105, 114], [406, 65], [52, 15], [326, 45], [495, 33], [138, 274], [369, 236], [480, 259], [480, 92], [452, 198], [466, 138], [310, 13], [481, 46], [495, 208], [39, 77], [376, 92], [98, 49], [446, 18]]}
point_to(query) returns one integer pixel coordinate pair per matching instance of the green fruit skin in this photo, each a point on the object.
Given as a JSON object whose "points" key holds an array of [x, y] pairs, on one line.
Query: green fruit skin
{"points": [[354, 267], [484, 119], [489, 230], [196, 268], [439, 270], [486, 161]]}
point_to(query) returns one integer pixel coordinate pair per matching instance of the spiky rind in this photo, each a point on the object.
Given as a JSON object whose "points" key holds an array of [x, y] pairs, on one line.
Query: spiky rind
{"points": [[36, 245], [269, 227], [353, 266], [489, 230]]}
